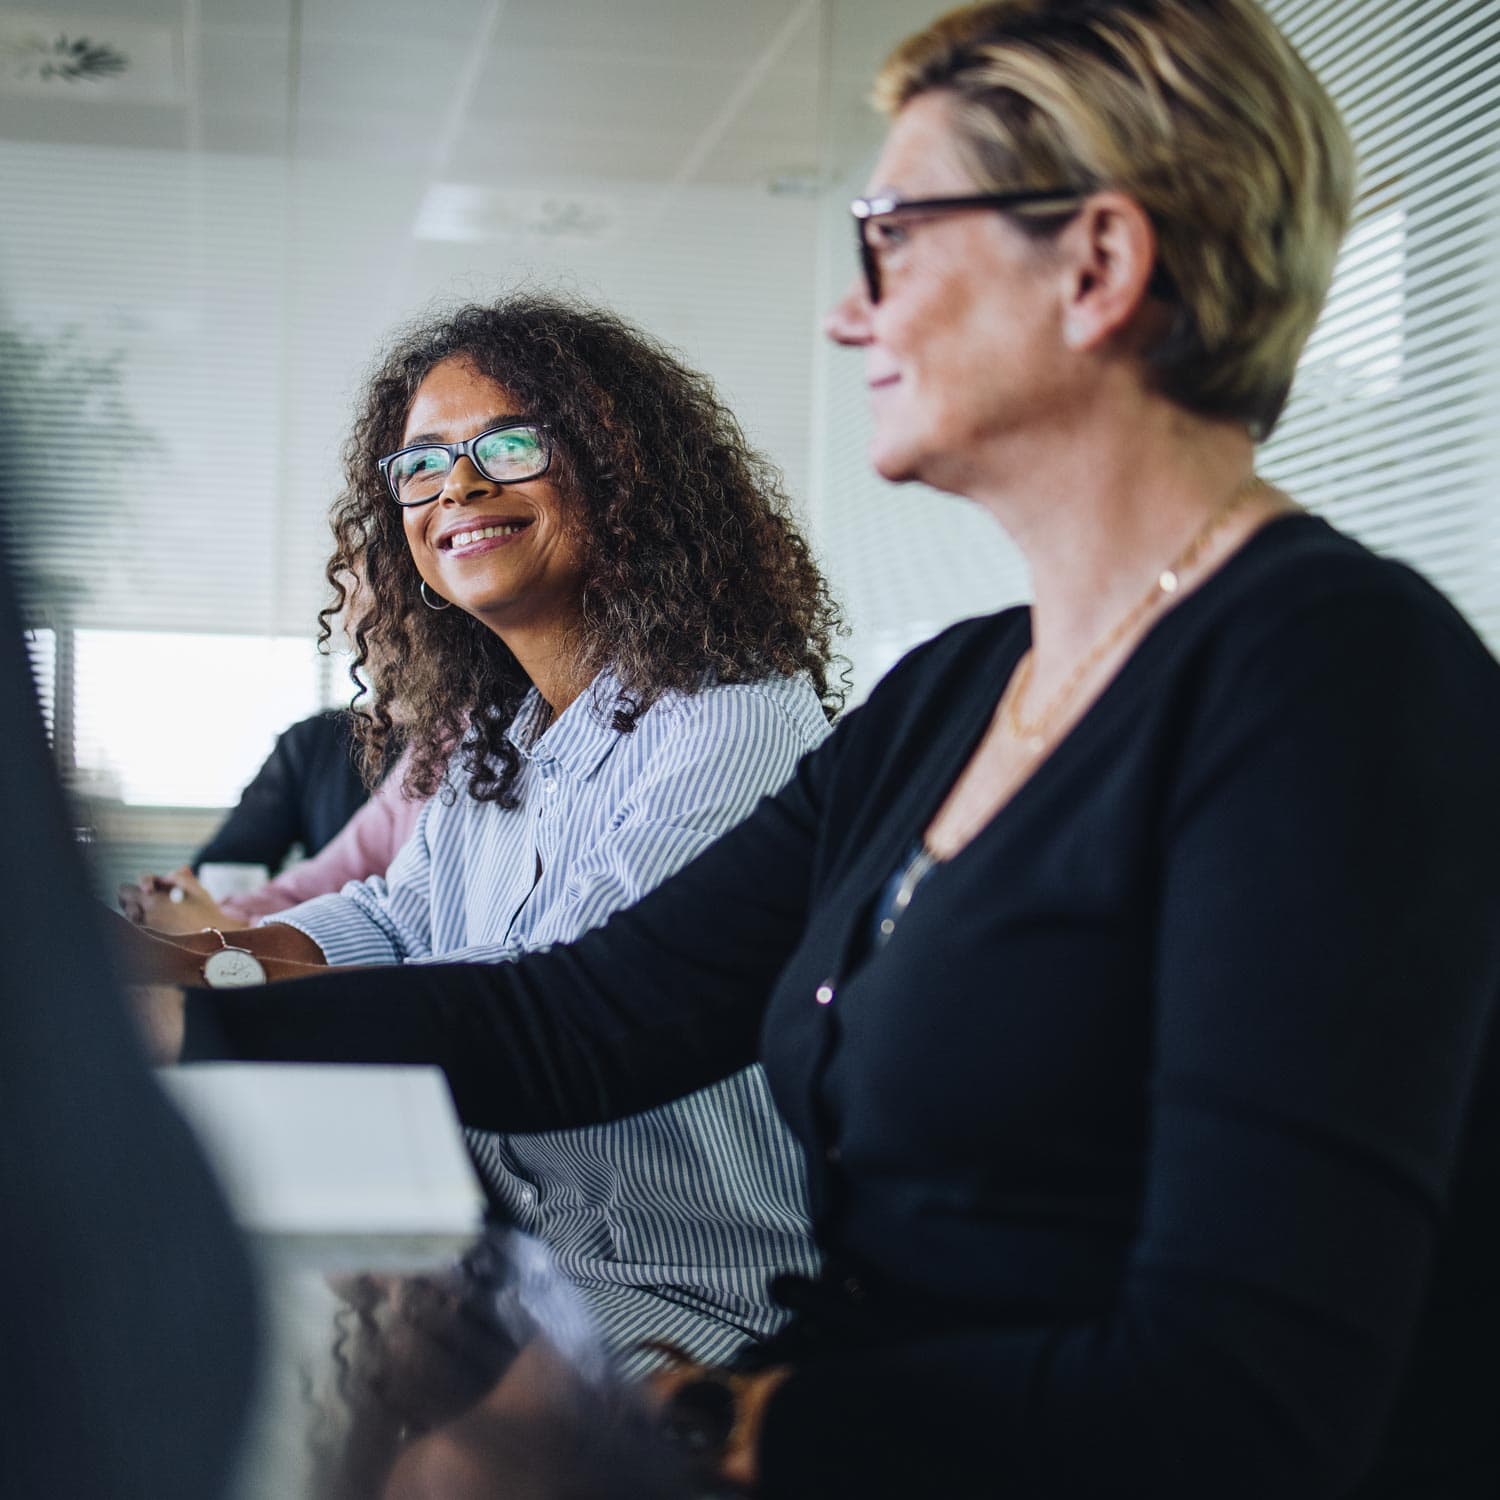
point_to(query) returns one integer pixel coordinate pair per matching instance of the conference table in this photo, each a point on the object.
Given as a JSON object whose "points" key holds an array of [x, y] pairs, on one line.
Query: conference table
{"points": [[376, 1346]]}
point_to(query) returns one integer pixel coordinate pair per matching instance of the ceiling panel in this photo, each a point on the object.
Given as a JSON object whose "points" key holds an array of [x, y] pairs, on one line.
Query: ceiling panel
{"points": [[381, 77], [724, 31], [243, 72], [595, 92], [273, 16], [655, 90], [443, 21], [98, 13]]}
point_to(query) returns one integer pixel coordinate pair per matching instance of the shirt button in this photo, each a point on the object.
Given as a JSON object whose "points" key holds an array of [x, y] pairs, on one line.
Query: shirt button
{"points": [[824, 993], [551, 787]]}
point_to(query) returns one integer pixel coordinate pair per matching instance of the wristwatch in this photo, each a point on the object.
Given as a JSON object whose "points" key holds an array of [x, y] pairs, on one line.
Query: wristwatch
{"points": [[231, 968]]}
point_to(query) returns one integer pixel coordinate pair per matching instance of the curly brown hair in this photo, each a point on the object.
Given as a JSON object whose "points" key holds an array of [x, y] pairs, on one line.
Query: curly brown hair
{"points": [[693, 568]]}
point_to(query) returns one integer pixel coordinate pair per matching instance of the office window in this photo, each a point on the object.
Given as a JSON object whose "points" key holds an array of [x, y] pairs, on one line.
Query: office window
{"points": [[183, 720]]}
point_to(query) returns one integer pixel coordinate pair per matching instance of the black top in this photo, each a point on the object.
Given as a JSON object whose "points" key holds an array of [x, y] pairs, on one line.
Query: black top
{"points": [[308, 788], [127, 1311], [1156, 1153]]}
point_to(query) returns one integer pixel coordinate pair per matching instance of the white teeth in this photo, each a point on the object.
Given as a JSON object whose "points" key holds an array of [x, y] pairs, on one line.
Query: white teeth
{"points": [[467, 538]]}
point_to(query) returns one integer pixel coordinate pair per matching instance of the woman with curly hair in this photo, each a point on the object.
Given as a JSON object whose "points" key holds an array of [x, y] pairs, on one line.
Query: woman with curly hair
{"points": [[608, 642]]}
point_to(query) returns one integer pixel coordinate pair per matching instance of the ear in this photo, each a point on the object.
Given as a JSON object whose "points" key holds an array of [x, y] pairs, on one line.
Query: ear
{"points": [[1108, 255]]}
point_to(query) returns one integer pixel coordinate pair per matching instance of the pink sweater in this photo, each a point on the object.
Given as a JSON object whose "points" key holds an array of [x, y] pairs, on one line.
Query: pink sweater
{"points": [[365, 845]]}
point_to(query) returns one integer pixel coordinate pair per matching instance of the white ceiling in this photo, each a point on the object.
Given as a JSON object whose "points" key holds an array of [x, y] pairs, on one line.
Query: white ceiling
{"points": [[675, 91]]}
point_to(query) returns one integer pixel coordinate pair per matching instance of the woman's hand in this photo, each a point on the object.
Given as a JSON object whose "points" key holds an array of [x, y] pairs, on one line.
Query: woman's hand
{"points": [[175, 904], [749, 1396]]}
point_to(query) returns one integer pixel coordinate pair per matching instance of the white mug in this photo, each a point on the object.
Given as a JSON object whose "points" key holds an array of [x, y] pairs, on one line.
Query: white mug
{"points": [[224, 880]]}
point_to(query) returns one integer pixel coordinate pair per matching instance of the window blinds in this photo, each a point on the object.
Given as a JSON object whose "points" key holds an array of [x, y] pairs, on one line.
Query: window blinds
{"points": [[1392, 427]]}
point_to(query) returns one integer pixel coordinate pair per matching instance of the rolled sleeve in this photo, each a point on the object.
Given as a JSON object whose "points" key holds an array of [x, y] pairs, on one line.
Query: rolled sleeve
{"points": [[382, 920], [347, 929]]}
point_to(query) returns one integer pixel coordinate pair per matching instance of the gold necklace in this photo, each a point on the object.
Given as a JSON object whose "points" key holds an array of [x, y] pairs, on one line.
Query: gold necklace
{"points": [[1033, 733]]}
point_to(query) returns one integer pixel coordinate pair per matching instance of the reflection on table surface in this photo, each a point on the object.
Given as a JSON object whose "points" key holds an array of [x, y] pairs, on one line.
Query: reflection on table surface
{"points": [[425, 1370]]}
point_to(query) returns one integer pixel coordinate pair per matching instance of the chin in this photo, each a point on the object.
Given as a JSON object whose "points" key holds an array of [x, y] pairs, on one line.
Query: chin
{"points": [[893, 464]]}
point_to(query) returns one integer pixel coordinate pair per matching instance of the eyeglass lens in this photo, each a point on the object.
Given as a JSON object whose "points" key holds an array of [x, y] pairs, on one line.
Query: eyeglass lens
{"points": [[506, 455], [868, 260]]}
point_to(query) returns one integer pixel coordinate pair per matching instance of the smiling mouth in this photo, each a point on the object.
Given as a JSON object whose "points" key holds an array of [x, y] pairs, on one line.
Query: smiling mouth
{"points": [[879, 382], [463, 541]]}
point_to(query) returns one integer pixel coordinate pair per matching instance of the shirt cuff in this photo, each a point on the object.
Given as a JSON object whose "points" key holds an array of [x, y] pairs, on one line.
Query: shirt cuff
{"points": [[346, 934]]}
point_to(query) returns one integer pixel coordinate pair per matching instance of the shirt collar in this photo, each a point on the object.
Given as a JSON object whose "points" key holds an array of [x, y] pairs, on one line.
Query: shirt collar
{"points": [[580, 737]]}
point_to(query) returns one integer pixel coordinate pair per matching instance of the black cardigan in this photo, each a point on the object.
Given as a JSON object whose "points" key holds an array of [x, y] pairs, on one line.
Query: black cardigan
{"points": [[1156, 1153]]}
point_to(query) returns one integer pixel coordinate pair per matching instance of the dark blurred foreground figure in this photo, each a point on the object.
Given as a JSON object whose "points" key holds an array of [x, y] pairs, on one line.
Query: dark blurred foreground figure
{"points": [[127, 1327], [1127, 965]]}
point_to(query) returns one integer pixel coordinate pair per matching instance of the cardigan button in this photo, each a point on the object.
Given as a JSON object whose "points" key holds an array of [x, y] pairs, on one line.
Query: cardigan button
{"points": [[824, 993], [832, 1155]]}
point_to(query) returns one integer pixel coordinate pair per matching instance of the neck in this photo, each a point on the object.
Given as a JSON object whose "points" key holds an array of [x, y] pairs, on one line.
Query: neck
{"points": [[549, 657], [1099, 515]]}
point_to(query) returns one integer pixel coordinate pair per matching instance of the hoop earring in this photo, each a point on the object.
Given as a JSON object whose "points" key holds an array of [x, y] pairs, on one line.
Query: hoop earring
{"points": [[428, 596]]}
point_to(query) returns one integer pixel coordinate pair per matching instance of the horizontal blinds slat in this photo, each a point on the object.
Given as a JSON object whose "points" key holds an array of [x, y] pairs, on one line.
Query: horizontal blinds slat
{"points": [[1422, 139], [1345, 42], [1403, 61], [1370, 430], [1391, 428]]}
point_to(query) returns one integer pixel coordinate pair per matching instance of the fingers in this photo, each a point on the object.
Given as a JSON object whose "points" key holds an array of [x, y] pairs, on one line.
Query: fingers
{"points": [[131, 903], [189, 884]]}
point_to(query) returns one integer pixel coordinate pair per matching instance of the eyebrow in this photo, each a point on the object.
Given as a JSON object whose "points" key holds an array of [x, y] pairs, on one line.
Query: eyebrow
{"points": [[419, 438]]}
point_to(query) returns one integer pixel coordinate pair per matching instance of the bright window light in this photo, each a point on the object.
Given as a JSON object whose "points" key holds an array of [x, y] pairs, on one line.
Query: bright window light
{"points": [[172, 720], [41, 648]]}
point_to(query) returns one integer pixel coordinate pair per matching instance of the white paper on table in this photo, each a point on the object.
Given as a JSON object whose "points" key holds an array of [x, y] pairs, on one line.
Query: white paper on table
{"points": [[319, 1149]]}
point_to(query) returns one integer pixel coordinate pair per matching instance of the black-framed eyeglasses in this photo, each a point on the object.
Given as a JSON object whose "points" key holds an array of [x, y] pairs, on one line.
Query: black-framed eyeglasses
{"points": [[508, 454], [871, 215]]}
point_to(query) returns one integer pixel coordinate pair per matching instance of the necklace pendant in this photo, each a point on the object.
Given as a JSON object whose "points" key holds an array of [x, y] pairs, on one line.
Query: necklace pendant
{"points": [[1169, 582]]}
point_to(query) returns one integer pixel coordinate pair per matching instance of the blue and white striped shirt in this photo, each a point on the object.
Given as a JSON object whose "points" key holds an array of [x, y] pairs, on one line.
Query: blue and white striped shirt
{"points": [[670, 1222]]}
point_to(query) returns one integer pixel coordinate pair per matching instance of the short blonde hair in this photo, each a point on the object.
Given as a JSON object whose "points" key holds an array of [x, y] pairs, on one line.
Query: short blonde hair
{"points": [[1204, 114]]}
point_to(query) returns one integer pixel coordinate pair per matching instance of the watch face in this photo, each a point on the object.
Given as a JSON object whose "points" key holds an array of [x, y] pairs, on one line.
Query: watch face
{"points": [[232, 969]]}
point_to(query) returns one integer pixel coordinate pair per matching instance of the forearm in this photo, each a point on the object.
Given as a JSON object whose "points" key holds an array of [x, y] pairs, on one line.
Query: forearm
{"points": [[558, 1040], [148, 958], [664, 999]]}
